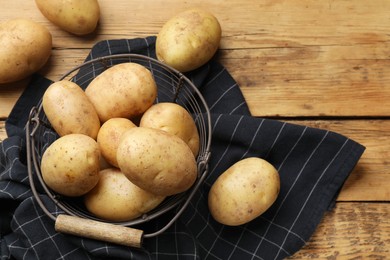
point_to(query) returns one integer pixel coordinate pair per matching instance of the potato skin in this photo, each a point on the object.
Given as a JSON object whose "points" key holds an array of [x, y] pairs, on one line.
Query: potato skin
{"points": [[244, 191], [115, 198], [124, 90], [188, 40], [74, 16], [25, 48], [69, 110], [109, 135], [175, 120], [70, 165], [156, 161]]}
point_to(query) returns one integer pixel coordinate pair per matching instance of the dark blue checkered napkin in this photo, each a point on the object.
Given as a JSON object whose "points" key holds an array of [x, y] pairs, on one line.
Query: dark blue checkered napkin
{"points": [[313, 165]]}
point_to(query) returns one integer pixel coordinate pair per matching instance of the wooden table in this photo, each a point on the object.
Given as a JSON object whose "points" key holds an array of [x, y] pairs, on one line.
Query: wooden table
{"points": [[317, 63]]}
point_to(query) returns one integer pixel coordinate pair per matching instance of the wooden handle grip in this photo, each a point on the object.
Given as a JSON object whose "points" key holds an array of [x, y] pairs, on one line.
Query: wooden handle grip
{"points": [[98, 230]]}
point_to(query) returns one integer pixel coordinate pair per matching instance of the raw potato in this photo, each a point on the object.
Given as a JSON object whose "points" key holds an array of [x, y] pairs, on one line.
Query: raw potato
{"points": [[109, 135], [244, 191], [69, 110], [25, 49], [124, 90], [188, 40], [74, 16], [70, 165], [115, 198], [175, 120], [156, 161]]}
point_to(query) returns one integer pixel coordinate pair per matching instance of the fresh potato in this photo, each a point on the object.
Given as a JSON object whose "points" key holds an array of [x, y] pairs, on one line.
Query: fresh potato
{"points": [[115, 198], [175, 120], [25, 49], [69, 110], [74, 16], [70, 165], [109, 135], [188, 40], [244, 191], [156, 161], [124, 90]]}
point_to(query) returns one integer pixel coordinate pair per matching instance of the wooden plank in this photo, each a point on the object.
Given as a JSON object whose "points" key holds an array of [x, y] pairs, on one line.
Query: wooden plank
{"points": [[312, 81], [9, 94], [291, 58], [246, 24], [351, 231], [282, 72], [315, 87], [372, 174]]}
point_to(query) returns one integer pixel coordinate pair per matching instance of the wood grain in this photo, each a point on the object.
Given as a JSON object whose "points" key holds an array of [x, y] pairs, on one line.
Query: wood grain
{"points": [[351, 231], [323, 64], [327, 88], [312, 81], [102, 231], [9, 94], [306, 57]]}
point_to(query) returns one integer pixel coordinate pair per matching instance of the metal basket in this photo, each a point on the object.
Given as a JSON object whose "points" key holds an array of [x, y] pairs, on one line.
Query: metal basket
{"points": [[172, 86]]}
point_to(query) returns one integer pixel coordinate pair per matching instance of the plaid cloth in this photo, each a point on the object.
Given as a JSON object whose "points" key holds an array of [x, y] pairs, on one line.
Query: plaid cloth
{"points": [[313, 165]]}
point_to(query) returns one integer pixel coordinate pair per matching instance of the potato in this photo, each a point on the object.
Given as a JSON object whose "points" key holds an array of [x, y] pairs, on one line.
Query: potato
{"points": [[244, 191], [70, 165], [115, 198], [124, 90], [109, 135], [69, 110], [188, 40], [156, 161], [175, 120], [74, 16], [25, 49]]}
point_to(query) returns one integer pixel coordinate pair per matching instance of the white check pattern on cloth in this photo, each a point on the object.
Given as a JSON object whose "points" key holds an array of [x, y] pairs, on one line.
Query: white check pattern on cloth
{"points": [[312, 163]]}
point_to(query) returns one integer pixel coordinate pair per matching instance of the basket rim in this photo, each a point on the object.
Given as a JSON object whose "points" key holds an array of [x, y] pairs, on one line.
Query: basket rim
{"points": [[202, 159], [162, 64]]}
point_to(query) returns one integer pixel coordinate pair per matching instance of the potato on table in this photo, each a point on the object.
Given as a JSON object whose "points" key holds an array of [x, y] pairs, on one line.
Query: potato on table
{"points": [[25, 48], [189, 39], [75, 16]]}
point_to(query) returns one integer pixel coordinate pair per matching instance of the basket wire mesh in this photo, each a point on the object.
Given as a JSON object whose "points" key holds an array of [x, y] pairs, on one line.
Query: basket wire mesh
{"points": [[172, 86]]}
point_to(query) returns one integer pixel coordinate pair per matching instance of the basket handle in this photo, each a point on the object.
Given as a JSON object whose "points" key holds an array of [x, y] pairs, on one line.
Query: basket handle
{"points": [[98, 230]]}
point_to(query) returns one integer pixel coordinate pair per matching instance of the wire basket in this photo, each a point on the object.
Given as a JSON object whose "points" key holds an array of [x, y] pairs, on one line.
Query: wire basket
{"points": [[172, 86]]}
